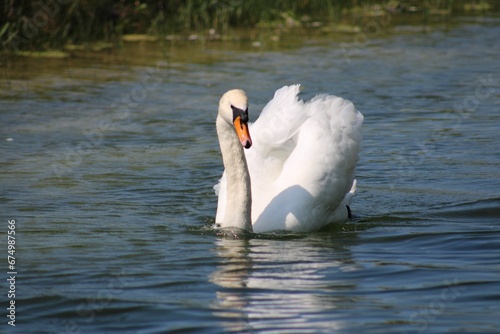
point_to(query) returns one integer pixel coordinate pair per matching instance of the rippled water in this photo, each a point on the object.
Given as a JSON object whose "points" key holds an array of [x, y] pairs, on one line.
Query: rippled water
{"points": [[108, 168]]}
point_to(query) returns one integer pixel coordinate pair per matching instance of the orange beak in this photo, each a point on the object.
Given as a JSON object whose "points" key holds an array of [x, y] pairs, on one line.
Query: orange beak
{"points": [[242, 132]]}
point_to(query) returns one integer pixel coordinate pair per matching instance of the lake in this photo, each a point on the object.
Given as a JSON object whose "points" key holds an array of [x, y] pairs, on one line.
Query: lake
{"points": [[109, 159]]}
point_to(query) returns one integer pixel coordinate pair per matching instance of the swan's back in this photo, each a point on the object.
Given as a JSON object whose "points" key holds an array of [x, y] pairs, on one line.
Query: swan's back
{"points": [[302, 161]]}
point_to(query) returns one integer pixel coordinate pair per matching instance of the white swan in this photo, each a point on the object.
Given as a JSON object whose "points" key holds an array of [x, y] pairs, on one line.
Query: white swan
{"points": [[297, 171]]}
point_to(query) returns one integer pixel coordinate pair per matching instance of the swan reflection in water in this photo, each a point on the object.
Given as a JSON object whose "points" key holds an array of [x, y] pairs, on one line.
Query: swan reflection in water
{"points": [[281, 284]]}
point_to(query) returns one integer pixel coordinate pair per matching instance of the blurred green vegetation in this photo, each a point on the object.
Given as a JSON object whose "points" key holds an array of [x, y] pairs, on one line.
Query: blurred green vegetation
{"points": [[51, 24]]}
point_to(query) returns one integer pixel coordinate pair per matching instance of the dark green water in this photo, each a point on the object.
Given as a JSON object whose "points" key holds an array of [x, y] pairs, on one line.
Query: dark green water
{"points": [[108, 166]]}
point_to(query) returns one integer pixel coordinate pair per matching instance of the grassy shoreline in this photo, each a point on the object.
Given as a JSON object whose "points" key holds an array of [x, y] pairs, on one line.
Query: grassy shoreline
{"points": [[57, 26]]}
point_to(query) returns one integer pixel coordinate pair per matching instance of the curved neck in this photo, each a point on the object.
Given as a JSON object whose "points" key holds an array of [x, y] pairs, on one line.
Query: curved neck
{"points": [[238, 195]]}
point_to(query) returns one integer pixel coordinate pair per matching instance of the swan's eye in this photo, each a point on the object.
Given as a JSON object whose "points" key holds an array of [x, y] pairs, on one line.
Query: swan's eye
{"points": [[244, 116]]}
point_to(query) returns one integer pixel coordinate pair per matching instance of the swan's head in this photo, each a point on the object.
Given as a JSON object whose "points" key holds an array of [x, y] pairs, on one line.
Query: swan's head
{"points": [[233, 108]]}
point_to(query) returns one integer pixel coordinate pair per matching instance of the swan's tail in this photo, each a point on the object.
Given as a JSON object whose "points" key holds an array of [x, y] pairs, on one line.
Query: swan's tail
{"points": [[348, 197]]}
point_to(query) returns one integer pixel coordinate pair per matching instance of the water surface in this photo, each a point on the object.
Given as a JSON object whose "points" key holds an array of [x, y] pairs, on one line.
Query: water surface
{"points": [[108, 164]]}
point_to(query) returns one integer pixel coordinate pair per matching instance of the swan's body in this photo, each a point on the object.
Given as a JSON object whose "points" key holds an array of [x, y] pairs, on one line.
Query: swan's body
{"points": [[298, 174]]}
